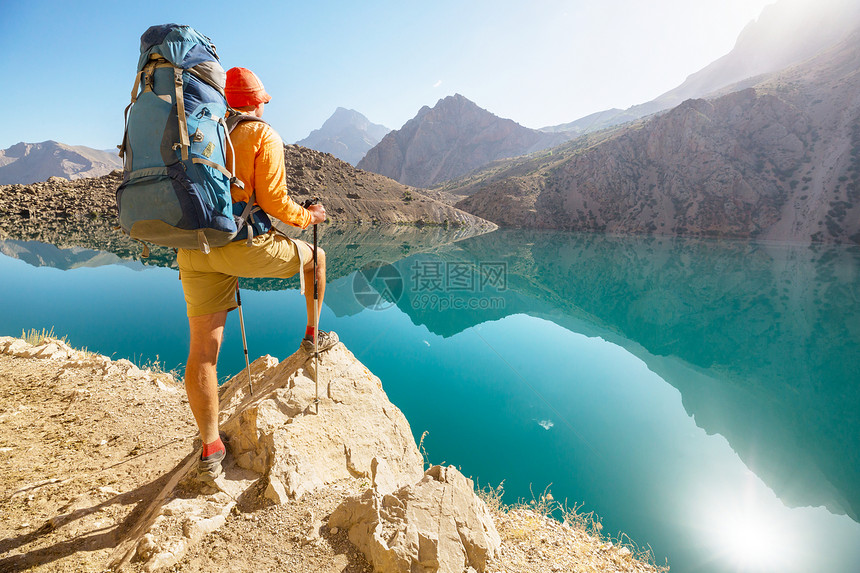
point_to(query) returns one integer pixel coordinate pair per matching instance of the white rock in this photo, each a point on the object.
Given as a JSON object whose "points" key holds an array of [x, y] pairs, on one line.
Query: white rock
{"points": [[276, 432], [196, 529], [437, 524], [384, 480], [168, 554], [276, 492], [166, 545], [19, 348], [146, 547], [5, 341], [45, 350]]}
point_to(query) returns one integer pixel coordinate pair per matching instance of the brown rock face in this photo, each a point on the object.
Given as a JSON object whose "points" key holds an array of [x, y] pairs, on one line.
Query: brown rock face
{"points": [[354, 195], [452, 139], [778, 161]]}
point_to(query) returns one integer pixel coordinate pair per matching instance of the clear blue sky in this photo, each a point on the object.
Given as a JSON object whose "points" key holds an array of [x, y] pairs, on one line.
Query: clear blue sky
{"points": [[67, 66]]}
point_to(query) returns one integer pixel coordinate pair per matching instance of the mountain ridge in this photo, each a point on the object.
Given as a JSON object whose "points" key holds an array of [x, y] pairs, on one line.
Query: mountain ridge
{"points": [[776, 161], [786, 33], [27, 163]]}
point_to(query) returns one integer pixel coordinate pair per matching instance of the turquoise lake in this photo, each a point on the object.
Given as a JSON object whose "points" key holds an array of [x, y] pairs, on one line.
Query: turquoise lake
{"points": [[700, 396]]}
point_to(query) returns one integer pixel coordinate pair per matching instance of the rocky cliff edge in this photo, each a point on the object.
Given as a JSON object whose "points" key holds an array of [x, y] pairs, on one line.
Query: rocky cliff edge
{"points": [[101, 457]]}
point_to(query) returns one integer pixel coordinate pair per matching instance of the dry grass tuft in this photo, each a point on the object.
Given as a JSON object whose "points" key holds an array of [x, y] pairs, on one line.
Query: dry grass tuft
{"points": [[35, 337], [543, 535], [156, 366]]}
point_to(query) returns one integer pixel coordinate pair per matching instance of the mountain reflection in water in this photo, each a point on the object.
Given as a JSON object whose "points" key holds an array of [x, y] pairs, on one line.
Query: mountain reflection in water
{"points": [[762, 340]]}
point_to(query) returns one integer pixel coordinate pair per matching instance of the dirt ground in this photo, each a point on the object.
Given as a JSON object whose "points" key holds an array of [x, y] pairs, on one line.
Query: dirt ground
{"points": [[86, 442]]}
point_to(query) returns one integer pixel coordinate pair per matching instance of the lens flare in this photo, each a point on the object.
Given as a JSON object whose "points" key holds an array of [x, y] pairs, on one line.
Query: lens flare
{"points": [[749, 533]]}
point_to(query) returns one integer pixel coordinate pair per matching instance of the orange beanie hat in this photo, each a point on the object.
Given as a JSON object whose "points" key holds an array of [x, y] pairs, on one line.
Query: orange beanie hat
{"points": [[244, 88]]}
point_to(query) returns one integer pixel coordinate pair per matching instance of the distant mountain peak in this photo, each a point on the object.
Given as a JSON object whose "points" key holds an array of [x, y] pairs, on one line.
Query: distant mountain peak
{"points": [[346, 134], [451, 139], [459, 101], [458, 98], [341, 114]]}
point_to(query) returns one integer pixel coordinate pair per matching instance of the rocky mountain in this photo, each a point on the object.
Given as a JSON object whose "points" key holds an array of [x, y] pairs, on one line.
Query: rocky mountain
{"points": [[451, 139], [26, 163], [347, 135], [780, 160], [787, 32], [83, 212]]}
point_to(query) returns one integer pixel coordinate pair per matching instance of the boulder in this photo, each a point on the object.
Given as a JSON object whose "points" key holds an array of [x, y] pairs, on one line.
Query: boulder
{"points": [[436, 525], [277, 432]]}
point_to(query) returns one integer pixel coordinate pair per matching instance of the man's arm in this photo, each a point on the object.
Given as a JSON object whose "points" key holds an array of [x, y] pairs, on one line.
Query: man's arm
{"points": [[270, 183]]}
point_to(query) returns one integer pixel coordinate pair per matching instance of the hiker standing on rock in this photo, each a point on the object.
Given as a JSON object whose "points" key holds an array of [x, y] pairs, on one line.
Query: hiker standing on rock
{"points": [[209, 281]]}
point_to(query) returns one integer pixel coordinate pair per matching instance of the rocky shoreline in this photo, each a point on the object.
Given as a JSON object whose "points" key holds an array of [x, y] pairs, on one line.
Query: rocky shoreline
{"points": [[97, 454], [58, 210], [82, 212]]}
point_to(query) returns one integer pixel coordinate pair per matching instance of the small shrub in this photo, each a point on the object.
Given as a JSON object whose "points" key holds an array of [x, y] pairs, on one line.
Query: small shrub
{"points": [[35, 337], [156, 366], [492, 496]]}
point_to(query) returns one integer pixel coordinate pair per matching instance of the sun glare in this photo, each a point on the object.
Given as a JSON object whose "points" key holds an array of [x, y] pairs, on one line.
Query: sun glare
{"points": [[750, 542], [749, 536]]}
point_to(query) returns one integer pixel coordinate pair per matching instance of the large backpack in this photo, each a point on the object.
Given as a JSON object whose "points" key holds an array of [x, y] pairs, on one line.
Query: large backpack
{"points": [[176, 186]]}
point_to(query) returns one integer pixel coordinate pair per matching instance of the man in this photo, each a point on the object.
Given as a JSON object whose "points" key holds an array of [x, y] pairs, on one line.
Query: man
{"points": [[209, 280]]}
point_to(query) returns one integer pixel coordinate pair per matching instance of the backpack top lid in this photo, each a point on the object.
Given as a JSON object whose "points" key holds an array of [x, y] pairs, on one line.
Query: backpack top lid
{"points": [[185, 48], [182, 46]]}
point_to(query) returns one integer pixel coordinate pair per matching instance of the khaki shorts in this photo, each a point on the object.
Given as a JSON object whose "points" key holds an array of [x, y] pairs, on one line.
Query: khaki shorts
{"points": [[209, 281]]}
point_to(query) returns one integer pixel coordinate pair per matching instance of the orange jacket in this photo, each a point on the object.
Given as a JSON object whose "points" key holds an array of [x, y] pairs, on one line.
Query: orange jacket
{"points": [[259, 155]]}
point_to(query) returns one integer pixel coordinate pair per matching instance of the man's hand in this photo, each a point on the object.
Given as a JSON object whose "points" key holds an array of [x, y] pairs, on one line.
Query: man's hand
{"points": [[317, 212]]}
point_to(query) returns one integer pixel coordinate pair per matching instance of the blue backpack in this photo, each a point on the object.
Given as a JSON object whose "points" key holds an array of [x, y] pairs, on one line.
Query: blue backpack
{"points": [[176, 185]]}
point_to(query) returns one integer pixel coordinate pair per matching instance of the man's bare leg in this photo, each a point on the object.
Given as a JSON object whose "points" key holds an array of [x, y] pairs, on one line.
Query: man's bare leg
{"points": [[309, 283], [201, 378]]}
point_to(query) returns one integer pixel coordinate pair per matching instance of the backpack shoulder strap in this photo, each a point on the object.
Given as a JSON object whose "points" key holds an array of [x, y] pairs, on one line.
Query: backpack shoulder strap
{"points": [[235, 118]]}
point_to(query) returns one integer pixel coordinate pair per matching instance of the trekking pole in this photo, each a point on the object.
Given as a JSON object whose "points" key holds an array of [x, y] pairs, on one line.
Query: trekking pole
{"points": [[307, 204], [316, 329], [244, 342]]}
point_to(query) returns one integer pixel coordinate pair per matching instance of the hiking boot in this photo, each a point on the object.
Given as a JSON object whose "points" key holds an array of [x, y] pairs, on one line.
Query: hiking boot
{"points": [[209, 468], [325, 340]]}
